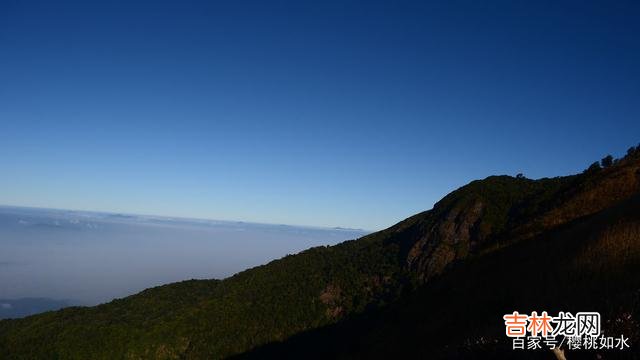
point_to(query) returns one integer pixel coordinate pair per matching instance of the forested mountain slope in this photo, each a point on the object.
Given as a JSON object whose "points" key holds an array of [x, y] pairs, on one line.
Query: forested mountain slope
{"points": [[414, 276], [591, 264]]}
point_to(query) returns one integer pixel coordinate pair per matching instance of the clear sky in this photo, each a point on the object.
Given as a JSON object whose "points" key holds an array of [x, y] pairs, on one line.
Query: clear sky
{"points": [[343, 113]]}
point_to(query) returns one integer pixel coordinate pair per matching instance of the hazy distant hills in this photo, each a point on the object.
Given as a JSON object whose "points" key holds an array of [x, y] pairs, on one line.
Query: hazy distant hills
{"points": [[16, 308], [434, 285], [94, 257]]}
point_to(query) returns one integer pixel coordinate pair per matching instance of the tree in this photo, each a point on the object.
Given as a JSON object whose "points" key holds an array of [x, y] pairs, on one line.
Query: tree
{"points": [[633, 151], [607, 161], [594, 167], [520, 176]]}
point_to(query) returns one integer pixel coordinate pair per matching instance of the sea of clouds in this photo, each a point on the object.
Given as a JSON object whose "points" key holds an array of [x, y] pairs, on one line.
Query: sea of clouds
{"points": [[89, 258]]}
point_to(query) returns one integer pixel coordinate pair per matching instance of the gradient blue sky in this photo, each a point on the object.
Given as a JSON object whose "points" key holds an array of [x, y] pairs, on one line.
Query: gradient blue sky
{"points": [[344, 113]]}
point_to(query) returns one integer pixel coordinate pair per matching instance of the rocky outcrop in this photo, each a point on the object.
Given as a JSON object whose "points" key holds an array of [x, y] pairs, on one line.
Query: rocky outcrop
{"points": [[473, 219], [449, 239], [331, 296]]}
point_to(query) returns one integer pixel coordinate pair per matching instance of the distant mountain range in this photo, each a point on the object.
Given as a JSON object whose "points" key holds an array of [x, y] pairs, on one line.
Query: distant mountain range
{"points": [[16, 308], [95, 257], [432, 286]]}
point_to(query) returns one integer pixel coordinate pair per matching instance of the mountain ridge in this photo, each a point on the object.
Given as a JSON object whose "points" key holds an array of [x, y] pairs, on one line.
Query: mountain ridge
{"points": [[324, 286]]}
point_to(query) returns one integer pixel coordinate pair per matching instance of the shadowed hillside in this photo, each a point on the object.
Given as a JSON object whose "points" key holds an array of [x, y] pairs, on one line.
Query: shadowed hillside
{"points": [[491, 247], [589, 264]]}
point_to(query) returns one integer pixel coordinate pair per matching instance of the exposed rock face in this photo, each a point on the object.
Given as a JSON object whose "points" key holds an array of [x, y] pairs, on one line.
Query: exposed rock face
{"points": [[473, 219], [332, 297], [449, 239]]}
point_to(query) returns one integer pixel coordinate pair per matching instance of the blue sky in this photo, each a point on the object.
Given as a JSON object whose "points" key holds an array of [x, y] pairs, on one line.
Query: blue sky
{"points": [[347, 113]]}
